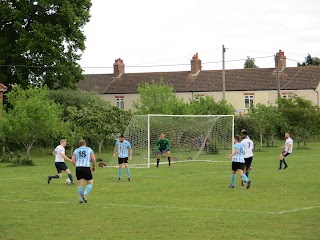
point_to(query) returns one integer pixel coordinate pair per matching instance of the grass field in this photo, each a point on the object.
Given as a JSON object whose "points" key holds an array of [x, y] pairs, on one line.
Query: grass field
{"points": [[187, 201]]}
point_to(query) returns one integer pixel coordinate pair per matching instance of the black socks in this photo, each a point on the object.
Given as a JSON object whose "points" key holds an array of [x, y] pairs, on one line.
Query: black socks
{"points": [[281, 161], [70, 177], [169, 161], [285, 164]]}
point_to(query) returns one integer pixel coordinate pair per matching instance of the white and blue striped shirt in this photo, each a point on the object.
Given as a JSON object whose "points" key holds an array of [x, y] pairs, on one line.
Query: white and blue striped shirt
{"points": [[123, 148], [239, 157], [83, 156]]}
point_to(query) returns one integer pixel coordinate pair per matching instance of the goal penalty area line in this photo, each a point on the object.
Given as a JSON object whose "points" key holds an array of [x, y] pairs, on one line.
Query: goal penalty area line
{"points": [[117, 205]]}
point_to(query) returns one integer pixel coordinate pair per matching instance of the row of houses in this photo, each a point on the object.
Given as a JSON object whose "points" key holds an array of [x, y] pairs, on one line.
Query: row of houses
{"points": [[243, 87]]}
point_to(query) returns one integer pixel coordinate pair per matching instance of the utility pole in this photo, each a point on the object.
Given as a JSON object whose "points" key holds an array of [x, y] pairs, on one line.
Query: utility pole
{"points": [[223, 75], [277, 69]]}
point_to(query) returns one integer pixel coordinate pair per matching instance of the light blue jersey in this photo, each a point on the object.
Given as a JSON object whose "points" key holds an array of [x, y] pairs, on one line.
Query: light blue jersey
{"points": [[239, 157], [83, 156], [123, 148]]}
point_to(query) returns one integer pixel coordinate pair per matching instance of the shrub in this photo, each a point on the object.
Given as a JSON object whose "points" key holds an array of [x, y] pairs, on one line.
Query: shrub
{"points": [[21, 162]]}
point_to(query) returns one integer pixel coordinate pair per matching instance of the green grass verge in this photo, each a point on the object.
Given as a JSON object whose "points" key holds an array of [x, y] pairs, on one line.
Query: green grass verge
{"points": [[187, 201]]}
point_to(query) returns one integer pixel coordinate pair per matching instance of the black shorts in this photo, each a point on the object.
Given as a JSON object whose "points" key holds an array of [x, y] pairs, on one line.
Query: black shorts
{"points": [[60, 166], [248, 161], [123, 160], [83, 173], [238, 165], [163, 151], [285, 154]]}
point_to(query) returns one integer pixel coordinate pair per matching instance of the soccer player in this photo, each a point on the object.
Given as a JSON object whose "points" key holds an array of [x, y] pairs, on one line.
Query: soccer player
{"points": [[60, 155], [248, 154], [287, 151], [163, 146], [238, 162], [243, 130], [81, 158], [124, 150]]}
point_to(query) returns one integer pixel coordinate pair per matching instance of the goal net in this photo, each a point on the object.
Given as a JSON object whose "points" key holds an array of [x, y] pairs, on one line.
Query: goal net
{"points": [[192, 137]]}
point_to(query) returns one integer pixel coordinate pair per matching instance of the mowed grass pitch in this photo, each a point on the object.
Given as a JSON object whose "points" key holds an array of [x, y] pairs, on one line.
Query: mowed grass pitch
{"points": [[187, 201]]}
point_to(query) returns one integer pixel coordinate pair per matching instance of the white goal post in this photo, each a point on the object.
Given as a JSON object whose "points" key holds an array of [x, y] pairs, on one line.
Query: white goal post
{"points": [[192, 137]]}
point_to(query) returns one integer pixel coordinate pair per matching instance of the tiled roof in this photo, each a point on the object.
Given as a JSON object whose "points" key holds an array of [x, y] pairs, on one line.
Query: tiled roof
{"points": [[96, 82], [292, 78]]}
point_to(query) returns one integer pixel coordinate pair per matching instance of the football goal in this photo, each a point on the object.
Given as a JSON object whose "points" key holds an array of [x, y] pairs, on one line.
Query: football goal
{"points": [[192, 137]]}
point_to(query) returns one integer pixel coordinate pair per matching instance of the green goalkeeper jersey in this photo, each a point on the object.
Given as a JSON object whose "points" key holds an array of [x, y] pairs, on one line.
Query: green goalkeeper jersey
{"points": [[163, 144]]}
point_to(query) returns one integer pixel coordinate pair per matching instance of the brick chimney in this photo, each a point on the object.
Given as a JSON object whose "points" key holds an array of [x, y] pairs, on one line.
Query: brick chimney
{"points": [[118, 68], [195, 65], [282, 60]]}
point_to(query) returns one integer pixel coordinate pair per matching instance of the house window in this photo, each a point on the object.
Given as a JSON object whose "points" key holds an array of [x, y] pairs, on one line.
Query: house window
{"points": [[197, 97], [120, 102], [287, 95], [248, 101]]}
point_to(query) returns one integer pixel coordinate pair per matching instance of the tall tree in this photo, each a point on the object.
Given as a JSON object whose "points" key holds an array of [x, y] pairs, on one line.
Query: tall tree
{"points": [[88, 116], [301, 116], [72, 98], [250, 63], [158, 98], [98, 121], [264, 120], [310, 61], [41, 42], [32, 117], [207, 105]]}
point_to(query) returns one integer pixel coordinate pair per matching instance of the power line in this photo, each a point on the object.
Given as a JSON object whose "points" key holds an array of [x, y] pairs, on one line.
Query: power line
{"points": [[292, 77], [293, 60], [246, 59], [146, 65], [132, 66], [237, 60]]}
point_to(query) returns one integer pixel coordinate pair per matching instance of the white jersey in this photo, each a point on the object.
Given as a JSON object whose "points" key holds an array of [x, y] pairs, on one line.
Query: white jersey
{"points": [[289, 141], [57, 152], [248, 147]]}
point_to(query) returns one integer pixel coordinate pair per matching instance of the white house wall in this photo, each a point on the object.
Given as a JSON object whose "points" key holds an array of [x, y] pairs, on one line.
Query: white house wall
{"points": [[236, 98]]}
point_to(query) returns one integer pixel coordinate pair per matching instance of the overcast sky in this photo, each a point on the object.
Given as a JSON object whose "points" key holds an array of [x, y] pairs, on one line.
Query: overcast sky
{"points": [[169, 32]]}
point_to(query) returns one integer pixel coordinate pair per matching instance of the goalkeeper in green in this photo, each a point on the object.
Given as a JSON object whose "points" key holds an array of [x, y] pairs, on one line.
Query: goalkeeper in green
{"points": [[163, 146]]}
